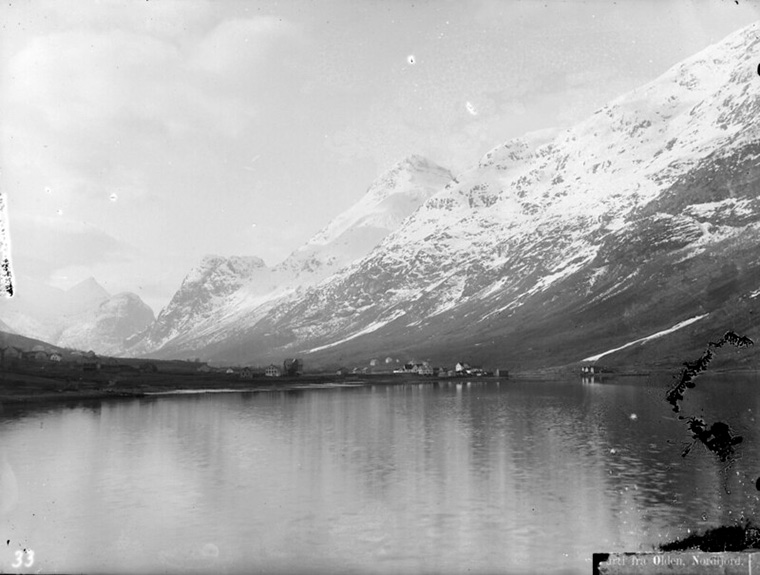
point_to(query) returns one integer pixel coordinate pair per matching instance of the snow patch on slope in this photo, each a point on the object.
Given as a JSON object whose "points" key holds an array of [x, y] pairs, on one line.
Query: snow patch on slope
{"points": [[708, 209], [374, 326], [648, 338]]}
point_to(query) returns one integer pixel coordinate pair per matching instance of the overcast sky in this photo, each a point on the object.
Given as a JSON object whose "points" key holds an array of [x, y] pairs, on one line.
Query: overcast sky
{"points": [[136, 137]]}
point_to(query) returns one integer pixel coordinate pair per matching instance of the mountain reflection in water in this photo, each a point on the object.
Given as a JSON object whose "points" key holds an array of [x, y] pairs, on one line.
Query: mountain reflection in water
{"points": [[508, 477]]}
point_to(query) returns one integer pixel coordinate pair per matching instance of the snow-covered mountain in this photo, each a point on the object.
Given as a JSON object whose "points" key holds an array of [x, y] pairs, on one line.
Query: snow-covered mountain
{"points": [[355, 232], [203, 292], [85, 316], [640, 217], [105, 329], [41, 311], [223, 294]]}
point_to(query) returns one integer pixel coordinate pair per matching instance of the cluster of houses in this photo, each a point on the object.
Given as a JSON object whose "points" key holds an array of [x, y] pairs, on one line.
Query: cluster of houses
{"points": [[591, 369], [461, 369], [290, 367], [14, 356], [269, 371], [294, 367], [592, 373], [39, 356]]}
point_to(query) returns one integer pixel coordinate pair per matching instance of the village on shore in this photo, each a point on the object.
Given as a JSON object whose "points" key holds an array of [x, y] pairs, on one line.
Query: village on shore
{"points": [[40, 359], [47, 372]]}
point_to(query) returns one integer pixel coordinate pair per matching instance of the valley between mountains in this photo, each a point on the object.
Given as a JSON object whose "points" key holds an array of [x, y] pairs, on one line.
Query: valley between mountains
{"points": [[554, 247]]}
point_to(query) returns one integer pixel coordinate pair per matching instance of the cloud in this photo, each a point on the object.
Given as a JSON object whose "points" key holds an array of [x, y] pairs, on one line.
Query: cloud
{"points": [[87, 83], [234, 45], [102, 104], [41, 245], [85, 79], [166, 18]]}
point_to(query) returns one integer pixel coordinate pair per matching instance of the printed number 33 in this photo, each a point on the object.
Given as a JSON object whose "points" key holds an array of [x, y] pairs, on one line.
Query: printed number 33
{"points": [[20, 558]]}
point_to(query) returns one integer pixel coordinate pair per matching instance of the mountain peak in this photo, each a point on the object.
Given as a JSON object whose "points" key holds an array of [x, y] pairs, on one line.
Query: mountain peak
{"points": [[389, 199], [87, 291], [232, 265], [416, 162], [412, 163], [87, 284], [210, 260]]}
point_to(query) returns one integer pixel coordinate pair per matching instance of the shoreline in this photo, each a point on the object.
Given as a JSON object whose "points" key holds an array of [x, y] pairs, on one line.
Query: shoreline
{"points": [[100, 395], [25, 387]]}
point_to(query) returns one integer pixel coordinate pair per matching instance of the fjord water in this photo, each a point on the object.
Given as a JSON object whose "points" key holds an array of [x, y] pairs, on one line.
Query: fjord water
{"points": [[447, 477]]}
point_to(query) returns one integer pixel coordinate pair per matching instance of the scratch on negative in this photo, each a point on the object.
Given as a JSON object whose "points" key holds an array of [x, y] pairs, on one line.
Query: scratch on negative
{"points": [[6, 269]]}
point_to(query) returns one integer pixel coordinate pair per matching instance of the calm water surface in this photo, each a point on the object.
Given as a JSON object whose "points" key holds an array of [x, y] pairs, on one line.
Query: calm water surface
{"points": [[448, 477]]}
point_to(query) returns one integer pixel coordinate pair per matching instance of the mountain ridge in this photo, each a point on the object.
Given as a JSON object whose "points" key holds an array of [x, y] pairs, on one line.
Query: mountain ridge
{"points": [[579, 218], [195, 313]]}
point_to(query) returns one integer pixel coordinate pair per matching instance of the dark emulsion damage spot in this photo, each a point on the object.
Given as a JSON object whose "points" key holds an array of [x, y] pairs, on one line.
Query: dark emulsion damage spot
{"points": [[692, 369], [718, 437]]}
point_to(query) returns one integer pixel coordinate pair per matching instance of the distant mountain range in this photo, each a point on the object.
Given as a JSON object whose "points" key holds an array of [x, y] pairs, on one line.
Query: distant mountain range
{"points": [[83, 317], [552, 249]]}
